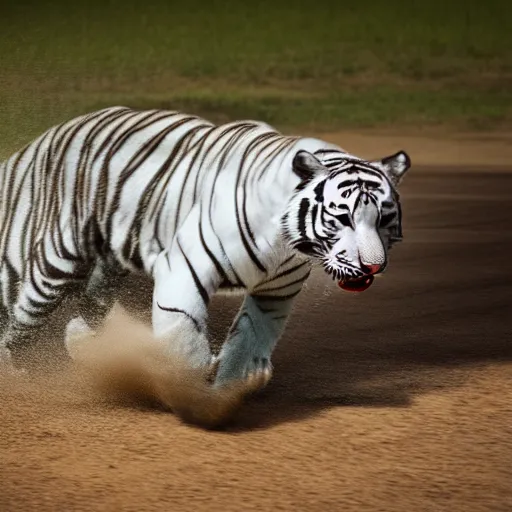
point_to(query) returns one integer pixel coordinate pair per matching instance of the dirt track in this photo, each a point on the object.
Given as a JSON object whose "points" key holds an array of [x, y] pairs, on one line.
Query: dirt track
{"points": [[398, 399]]}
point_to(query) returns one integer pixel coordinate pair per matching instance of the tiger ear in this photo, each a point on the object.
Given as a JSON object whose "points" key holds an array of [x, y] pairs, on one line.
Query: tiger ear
{"points": [[306, 166], [395, 166]]}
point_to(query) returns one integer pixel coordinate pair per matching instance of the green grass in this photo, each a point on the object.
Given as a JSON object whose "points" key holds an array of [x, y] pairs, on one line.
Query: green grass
{"points": [[296, 64]]}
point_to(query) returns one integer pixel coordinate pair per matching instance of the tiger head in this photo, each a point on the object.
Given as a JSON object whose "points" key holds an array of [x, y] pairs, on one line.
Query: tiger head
{"points": [[345, 213]]}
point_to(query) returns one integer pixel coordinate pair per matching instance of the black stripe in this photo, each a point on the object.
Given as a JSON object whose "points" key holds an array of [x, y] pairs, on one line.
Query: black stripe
{"points": [[13, 279], [34, 315], [346, 183], [235, 329], [319, 191], [15, 201], [238, 279], [285, 272], [201, 289], [36, 304], [303, 210], [266, 310], [314, 213], [176, 310], [282, 287], [210, 254], [278, 298], [387, 218], [40, 291], [53, 272]]}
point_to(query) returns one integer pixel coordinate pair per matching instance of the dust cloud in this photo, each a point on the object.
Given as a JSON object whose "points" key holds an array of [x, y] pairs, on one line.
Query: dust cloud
{"points": [[123, 365]]}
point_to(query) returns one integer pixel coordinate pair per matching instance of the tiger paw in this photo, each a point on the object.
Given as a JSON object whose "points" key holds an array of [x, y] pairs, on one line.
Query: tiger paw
{"points": [[254, 375], [77, 334], [258, 373]]}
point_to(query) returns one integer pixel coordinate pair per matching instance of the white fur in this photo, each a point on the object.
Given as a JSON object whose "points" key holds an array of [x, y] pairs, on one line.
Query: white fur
{"points": [[172, 197]]}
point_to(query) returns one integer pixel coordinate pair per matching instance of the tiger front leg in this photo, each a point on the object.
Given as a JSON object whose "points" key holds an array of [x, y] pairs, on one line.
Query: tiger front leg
{"points": [[184, 283], [246, 354], [258, 326]]}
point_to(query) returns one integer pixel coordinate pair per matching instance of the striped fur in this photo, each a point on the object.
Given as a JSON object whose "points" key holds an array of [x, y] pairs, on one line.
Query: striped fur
{"points": [[197, 207]]}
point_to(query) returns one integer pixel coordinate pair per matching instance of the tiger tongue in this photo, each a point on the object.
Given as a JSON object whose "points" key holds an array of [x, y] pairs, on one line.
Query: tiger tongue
{"points": [[356, 285]]}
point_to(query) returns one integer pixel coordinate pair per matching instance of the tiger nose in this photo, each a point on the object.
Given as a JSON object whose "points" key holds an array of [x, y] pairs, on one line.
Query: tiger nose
{"points": [[371, 268]]}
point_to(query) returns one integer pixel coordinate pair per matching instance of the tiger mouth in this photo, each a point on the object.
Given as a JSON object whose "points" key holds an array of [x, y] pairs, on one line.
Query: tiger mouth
{"points": [[356, 284]]}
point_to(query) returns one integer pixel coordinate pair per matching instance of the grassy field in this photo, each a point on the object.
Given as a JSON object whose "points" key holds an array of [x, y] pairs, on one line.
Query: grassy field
{"points": [[307, 65]]}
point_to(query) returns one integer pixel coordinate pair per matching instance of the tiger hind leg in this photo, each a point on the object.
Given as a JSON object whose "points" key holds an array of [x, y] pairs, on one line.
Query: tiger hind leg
{"points": [[35, 337], [94, 304], [35, 334], [37, 347]]}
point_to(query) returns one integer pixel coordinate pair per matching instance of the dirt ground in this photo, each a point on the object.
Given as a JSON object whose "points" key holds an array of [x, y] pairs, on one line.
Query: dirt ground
{"points": [[397, 399]]}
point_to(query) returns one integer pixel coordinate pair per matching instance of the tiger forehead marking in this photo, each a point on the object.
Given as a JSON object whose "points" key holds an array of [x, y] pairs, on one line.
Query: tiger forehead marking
{"points": [[344, 190]]}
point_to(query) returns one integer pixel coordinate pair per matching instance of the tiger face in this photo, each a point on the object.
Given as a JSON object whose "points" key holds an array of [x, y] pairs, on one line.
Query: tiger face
{"points": [[345, 213]]}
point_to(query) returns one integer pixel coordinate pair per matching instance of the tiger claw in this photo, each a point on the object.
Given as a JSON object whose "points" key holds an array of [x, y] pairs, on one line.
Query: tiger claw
{"points": [[259, 375], [255, 376]]}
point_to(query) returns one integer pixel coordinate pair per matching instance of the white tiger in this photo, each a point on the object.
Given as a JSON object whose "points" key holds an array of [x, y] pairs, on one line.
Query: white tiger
{"points": [[198, 208]]}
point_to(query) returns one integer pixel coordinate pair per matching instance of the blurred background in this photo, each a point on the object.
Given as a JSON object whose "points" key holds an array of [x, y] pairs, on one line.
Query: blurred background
{"points": [[317, 66]]}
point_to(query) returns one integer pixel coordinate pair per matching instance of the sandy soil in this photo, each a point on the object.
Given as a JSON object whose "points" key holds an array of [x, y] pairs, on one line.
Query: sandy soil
{"points": [[398, 399]]}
